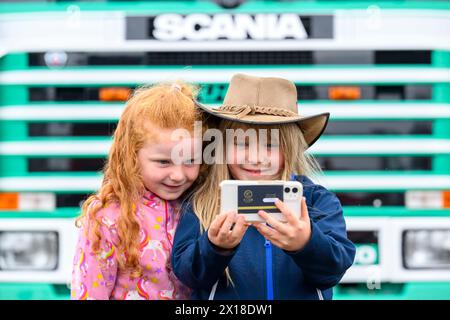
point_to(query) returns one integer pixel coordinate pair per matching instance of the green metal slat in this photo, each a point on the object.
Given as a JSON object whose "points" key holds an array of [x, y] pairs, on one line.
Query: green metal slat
{"points": [[154, 7], [441, 127], [392, 211], [70, 212]]}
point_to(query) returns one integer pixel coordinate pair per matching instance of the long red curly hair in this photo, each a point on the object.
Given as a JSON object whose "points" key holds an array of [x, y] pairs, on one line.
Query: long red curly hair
{"points": [[164, 105]]}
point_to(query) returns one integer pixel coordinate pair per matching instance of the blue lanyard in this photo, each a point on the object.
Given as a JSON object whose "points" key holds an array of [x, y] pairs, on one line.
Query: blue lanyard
{"points": [[269, 278]]}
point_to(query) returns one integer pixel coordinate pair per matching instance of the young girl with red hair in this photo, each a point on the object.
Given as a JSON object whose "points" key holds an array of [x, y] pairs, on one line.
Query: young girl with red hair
{"points": [[127, 227]]}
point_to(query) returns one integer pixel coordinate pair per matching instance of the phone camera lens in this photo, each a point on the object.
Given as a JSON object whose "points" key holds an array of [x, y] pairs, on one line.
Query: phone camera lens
{"points": [[287, 190], [295, 190]]}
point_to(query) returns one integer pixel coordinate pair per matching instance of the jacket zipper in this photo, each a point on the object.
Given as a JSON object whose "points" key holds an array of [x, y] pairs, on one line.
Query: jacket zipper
{"points": [[269, 277]]}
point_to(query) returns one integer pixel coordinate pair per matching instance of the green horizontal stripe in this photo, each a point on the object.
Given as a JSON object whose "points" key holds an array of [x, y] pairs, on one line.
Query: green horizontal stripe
{"points": [[154, 7], [34, 291], [58, 213], [367, 67], [390, 211], [349, 211], [438, 290]]}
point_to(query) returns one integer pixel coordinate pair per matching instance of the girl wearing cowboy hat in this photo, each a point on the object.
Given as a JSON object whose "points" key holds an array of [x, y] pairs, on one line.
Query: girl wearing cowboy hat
{"points": [[220, 255]]}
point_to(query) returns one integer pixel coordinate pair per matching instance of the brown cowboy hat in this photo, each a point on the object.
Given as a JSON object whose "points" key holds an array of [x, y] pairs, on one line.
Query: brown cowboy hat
{"points": [[257, 100]]}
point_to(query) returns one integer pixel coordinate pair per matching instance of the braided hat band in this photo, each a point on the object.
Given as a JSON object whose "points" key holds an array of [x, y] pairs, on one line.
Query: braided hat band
{"points": [[244, 110]]}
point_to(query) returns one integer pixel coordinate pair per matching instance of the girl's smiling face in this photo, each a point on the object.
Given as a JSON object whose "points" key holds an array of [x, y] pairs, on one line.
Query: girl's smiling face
{"points": [[255, 160], [163, 175]]}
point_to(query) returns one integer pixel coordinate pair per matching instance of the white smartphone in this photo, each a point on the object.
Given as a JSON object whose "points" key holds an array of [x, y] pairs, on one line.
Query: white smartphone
{"points": [[247, 197]]}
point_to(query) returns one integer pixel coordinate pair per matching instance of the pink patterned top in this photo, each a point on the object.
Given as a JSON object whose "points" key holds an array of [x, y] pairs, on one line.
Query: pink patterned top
{"points": [[96, 276]]}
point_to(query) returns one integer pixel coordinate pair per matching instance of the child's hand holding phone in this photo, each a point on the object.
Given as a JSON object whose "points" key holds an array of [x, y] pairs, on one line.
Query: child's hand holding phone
{"points": [[227, 230], [291, 235]]}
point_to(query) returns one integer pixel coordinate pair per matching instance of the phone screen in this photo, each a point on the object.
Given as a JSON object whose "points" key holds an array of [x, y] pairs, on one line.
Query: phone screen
{"points": [[254, 198]]}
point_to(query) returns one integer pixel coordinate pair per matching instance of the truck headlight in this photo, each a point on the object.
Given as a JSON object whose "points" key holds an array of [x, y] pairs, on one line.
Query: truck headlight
{"points": [[426, 249], [28, 250]]}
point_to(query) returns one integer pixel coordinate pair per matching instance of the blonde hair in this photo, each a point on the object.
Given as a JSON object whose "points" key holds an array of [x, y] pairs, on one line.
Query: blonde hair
{"points": [[206, 199], [164, 105]]}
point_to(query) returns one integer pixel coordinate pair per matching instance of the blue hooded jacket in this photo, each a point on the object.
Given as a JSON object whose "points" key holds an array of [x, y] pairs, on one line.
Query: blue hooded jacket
{"points": [[261, 271]]}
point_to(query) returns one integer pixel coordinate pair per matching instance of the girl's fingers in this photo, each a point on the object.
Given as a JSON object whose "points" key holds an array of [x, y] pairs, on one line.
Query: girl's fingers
{"points": [[274, 223], [241, 227], [216, 224], [267, 232], [226, 225], [290, 218], [271, 235], [277, 243]]}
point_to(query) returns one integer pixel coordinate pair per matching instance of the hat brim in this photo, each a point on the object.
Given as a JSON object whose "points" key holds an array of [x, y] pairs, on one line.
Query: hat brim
{"points": [[311, 126]]}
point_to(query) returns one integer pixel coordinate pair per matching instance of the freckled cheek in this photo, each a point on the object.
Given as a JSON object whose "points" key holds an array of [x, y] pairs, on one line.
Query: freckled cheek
{"points": [[236, 172], [236, 156], [280, 157], [154, 178], [192, 173], [273, 159], [232, 167], [153, 174], [277, 159]]}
